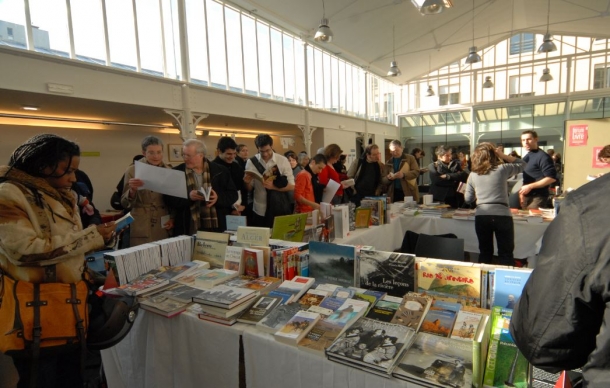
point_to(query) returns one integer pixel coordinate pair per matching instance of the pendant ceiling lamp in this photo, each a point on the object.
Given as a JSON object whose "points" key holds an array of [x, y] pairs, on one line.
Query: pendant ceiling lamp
{"points": [[473, 56], [430, 91], [323, 34], [488, 84], [546, 75], [431, 7], [394, 70], [547, 45]]}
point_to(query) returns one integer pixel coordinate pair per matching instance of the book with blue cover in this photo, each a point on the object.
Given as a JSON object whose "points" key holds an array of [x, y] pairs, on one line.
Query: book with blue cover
{"points": [[508, 286], [234, 222], [440, 318]]}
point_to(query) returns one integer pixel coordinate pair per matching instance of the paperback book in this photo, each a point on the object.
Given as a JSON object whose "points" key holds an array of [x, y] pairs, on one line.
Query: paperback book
{"points": [[440, 318], [234, 259], [210, 278], [224, 296], [466, 325], [297, 327], [324, 333], [390, 272], [278, 317], [253, 260], [261, 307], [508, 286], [162, 305], [412, 310], [385, 309], [250, 235]]}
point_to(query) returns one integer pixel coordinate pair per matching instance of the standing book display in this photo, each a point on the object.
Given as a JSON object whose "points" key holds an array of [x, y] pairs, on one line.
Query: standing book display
{"points": [[211, 247]]}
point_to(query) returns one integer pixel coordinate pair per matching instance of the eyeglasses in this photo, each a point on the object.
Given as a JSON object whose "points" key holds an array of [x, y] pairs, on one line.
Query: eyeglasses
{"points": [[186, 156]]}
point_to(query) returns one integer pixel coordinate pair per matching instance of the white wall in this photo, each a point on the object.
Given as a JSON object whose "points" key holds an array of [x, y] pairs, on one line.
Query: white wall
{"points": [[31, 72]]}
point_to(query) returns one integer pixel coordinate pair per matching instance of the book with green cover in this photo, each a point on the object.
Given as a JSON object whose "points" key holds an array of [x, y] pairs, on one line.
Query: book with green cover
{"points": [[443, 279], [505, 365], [290, 227]]}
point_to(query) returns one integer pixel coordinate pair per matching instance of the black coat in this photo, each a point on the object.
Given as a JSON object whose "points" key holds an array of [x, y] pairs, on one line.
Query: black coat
{"points": [[444, 190], [224, 187], [561, 320]]}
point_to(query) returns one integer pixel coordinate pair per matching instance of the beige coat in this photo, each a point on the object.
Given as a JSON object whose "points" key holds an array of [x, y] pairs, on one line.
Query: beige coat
{"points": [[39, 236], [410, 168], [147, 208]]}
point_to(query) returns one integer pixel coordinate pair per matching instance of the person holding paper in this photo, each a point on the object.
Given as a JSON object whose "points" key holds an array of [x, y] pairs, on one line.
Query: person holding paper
{"points": [[148, 208], [211, 193], [332, 152], [303, 188]]}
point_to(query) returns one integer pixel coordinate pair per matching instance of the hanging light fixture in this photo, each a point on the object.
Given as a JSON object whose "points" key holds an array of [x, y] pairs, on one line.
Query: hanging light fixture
{"points": [[394, 70], [473, 56], [546, 75], [430, 91], [488, 84], [324, 34], [547, 45], [431, 7]]}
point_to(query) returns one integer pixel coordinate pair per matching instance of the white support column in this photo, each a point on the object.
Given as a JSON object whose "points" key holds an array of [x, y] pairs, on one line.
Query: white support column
{"points": [[186, 120], [307, 132]]}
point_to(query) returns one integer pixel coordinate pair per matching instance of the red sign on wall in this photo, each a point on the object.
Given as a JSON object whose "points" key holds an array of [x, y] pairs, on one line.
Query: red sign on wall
{"points": [[596, 162], [579, 134]]}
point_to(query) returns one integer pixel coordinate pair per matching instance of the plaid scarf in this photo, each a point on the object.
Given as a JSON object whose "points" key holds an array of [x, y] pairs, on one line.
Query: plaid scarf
{"points": [[202, 217]]}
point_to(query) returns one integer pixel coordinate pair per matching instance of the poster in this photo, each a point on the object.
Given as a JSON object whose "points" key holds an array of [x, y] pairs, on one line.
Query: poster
{"points": [[596, 162], [579, 134]]}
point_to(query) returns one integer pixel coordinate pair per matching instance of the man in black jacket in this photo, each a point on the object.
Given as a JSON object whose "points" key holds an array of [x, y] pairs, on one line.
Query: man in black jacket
{"points": [[202, 210], [227, 157], [562, 318]]}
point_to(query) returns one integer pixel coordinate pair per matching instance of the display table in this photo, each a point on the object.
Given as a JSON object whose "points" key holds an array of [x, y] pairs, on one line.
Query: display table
{"points": [[179, 352], [528, 236], [273, 364], [388, 237]]}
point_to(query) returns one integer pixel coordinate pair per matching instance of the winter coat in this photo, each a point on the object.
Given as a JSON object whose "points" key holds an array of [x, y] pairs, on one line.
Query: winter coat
{"points": [[562, 318], [410, 168], [37, 229], [146, 207], [224, 187]]}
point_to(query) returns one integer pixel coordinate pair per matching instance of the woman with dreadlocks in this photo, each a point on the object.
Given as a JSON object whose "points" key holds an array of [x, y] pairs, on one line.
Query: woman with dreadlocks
{"points": [[41, 230]]}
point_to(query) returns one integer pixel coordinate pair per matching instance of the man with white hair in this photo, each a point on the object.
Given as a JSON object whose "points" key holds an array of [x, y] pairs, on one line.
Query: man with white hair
{"points": [[198, 212]]}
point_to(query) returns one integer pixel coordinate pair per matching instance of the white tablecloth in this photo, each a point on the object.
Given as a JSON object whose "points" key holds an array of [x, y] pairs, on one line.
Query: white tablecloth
{"points": [[388, 237], [273, 364], [179, 352]]}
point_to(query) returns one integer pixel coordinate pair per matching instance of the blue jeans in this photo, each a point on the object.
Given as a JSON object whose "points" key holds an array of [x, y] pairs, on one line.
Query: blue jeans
{"points": [[503, 228]]}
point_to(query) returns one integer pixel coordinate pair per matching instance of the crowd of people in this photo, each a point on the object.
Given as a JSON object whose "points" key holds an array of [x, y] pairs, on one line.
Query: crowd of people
{"points": [[49, 221]]}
